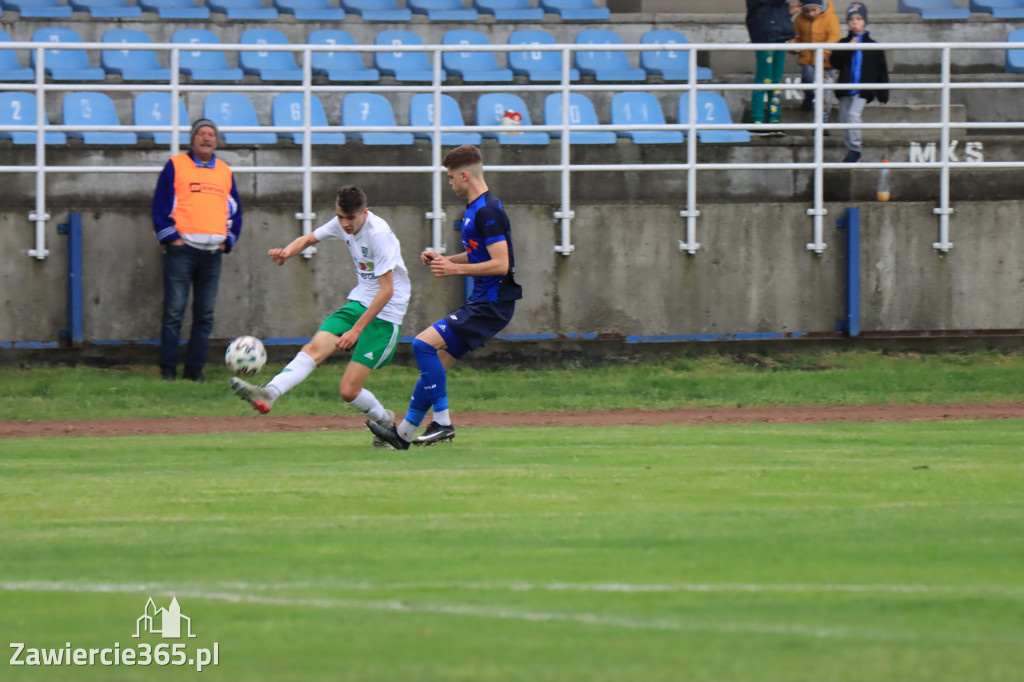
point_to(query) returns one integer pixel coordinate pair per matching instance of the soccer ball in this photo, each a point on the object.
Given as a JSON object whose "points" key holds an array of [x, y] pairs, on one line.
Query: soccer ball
{"points": [[245, 355]]}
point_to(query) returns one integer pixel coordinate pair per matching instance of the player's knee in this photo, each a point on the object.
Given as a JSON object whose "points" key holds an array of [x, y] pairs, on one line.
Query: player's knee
{"points": [[420, 347], [349, 392]]}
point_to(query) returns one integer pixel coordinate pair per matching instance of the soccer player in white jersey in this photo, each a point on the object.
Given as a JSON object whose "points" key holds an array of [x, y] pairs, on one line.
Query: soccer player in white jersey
{"points": [[369, 323]]}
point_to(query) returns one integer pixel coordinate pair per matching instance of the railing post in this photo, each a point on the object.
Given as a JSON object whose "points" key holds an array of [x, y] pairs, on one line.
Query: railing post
{"points": [[436, 215], [40, 216], [691, 213], [818, 211], [944, 210], [307, 215]]}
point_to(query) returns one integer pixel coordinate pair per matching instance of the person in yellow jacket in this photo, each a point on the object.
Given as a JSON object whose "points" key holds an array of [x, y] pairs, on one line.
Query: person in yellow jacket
{"points": [[816, 22], [197, 217]]}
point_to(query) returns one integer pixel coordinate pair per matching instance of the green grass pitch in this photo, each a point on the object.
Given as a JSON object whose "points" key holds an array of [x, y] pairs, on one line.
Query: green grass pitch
{"points": [[764, 552]]}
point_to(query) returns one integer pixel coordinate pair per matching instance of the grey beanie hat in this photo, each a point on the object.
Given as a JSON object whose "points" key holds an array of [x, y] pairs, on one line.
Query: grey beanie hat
{"points": [[814, 3], [202, 123], [857, 8]]}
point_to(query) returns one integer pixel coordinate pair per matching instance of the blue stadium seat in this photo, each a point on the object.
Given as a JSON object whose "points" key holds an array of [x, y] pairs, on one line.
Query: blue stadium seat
{"points": [[711, 108], [19, 109], [38, 9], [65, 65], [581, 112], [132, 65], [642, 108], [369, 109], [1000, 9], [107, 9], [605, 65], [287, 111], [269, 66], [10, 68], [310, 10], [490, 109], [443, 10], [203, 65], [421, 113], [472, 66], [175, 9], [244, 10], [537, 65], [586, 10], [404, 66], [377, 10], [96, 109], [234, 109], [1015, 58], [935, 9], [510, 10], [339, 66], [154, 109], [671, 65]]}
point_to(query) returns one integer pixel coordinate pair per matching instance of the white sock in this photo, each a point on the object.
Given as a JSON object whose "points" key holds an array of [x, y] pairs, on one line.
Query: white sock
{"points": [[406, 430], [368, 404], [292, 375], [442, 417]]}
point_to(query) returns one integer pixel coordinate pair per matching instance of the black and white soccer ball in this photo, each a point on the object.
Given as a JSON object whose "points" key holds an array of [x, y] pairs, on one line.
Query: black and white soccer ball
{"points": [[245, 355]]}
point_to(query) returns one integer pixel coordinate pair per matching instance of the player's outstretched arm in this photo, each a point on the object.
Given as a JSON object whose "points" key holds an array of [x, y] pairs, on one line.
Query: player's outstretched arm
{"points": [[297, 246]]}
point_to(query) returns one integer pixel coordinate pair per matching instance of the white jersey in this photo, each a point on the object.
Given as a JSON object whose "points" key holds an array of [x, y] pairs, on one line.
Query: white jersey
{"points": [[375, 250]]}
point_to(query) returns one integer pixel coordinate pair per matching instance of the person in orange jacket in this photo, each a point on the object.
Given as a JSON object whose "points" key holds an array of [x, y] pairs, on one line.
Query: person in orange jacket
{"points": [[816, 22]]}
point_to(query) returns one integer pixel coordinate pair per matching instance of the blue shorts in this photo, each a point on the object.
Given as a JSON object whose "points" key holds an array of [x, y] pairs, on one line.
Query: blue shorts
{"points": [[473, 324]]}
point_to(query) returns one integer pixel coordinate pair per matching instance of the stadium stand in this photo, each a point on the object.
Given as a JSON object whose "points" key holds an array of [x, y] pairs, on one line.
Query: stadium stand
{"points": [[234, 109], [154, 109], [491, 107], [243, 10], [404, 66], [1000, 9], [671, 65], [377, 10], [581, 112], [203, 65], [19, 109], [472, 66], [10, 68], [41, 9], [421, 113], [287, 111], [510, 10], [605, 65], [642, 108], [269, 66], [310, 10], [443, 10], [131, 65], [107, 9], [711, 108], [1015, 58], [935, 9], [340, 66], [371, 109], [175, 9], [585, 10], [65, 65], [94, 108], [537, 65]]}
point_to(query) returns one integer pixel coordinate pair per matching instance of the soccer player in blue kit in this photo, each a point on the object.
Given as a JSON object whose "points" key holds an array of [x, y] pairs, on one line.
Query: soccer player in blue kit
{"points": [[488, 258]]}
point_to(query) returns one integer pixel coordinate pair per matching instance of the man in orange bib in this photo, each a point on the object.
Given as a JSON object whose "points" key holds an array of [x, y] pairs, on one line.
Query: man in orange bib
{"points": [[197, 218]]}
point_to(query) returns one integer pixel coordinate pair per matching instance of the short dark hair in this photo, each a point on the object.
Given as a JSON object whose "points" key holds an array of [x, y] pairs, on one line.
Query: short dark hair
{"points": [[351, 200], [463, 157]]}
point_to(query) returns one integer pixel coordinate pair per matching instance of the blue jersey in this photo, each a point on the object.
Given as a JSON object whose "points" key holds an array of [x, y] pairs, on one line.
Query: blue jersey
{"points": [[485, 223]]}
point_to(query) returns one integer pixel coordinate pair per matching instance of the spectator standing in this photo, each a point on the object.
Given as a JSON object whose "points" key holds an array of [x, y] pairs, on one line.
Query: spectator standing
{"points": [[197, 218], [817, 23], [855, 67], [769, 21]]}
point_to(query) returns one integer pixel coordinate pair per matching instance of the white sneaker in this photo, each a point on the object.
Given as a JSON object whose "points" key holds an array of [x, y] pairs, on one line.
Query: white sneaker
{"points": [[257, 396], [387, 422]]}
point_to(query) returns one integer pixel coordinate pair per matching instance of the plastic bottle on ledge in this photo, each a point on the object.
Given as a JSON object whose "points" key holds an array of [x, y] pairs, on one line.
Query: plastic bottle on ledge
{"points": [[883, 183]]}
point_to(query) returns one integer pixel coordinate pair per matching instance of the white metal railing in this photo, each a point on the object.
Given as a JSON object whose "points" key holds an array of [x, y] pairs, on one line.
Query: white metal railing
{"points": [[565, 167]]}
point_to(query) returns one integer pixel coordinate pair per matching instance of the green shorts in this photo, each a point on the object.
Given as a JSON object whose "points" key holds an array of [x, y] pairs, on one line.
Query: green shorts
{"points": [[376, 345]]}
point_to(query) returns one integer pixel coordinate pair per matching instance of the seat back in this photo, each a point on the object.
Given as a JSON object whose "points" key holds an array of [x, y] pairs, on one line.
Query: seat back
{"points": [[287, 111], [463, 62], [93, 109], [371, 109], [377, 10], [661, 61], [234, 109], [10, 68], [581, 112], [60, 60], [590, 61], [533, 60], [190, 60], [1015, 57], [119, 61], [392, 63], [491, 107], [642, 108], [259, 61], [711, 108], [575, 9], [154, 108], [421, 113], [19, 109], [334, 61]]}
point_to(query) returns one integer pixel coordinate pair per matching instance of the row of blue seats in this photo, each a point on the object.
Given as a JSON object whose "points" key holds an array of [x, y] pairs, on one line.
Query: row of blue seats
{"points": [[212, 65], [365, 109], [948, 9], [316, 10]]}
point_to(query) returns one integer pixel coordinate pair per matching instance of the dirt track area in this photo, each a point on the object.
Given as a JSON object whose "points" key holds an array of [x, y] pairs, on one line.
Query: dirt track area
{"points": [[743, 415]]}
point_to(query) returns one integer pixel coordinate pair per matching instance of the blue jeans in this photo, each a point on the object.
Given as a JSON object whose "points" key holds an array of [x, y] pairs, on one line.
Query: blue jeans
{"points": [[188, 268]]}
